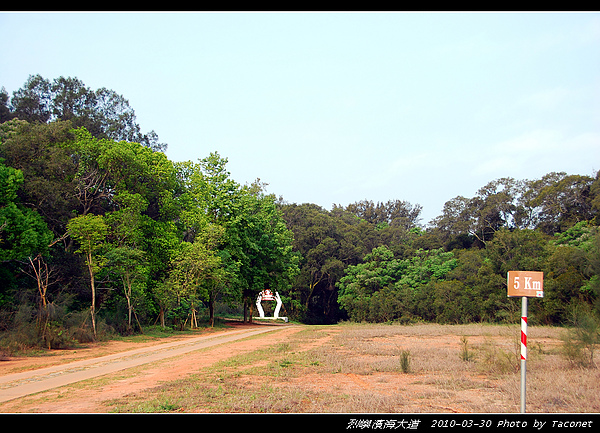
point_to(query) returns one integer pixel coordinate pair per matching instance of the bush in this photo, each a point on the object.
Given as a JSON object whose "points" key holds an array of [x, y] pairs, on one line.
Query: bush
{"points": [[465, 353], [405, 361], [579, 342]]}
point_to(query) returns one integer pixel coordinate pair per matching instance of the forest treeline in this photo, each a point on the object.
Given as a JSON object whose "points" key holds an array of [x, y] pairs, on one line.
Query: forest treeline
{"points": [[100, 232]]}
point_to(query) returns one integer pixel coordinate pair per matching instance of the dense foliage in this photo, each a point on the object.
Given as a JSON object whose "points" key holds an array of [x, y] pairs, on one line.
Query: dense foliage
{"points": [[100, 231], [379, 264]]}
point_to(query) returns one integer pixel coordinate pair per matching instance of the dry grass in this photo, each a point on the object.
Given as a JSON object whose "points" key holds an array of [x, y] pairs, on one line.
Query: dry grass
{"points": [[362, 369]]}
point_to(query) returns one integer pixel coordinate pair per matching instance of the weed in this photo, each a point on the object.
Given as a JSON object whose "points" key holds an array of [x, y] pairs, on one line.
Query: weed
{"points": [[579, 343], [405, 361], [167, 407], [496, 360], [283, 347], [465, 353], [285, 363]]}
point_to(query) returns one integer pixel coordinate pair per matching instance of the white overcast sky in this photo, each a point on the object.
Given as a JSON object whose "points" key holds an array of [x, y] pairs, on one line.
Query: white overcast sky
{"points": [[338, 107]]}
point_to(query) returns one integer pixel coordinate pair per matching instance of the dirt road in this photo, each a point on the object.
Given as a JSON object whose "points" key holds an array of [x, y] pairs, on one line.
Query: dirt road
{"points": [[14, 387]]}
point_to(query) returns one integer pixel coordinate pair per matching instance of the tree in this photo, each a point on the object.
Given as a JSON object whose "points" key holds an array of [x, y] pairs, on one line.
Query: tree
{"points": [[560, 201], [33, 102], [208, 202], [102, 112], [426, 265], [5, 113], [40, 153], [574, 269], [361, 282], [317, 240], [497, 205], [161, 240], [262, 244], [393, 213], [518, 250], [104, 166], [24, 236], [129, 265], [255, 242], [454, 225], [90, 232], [367, 289], [221, 282], [192, 264], [23, 233], [42, 273]]}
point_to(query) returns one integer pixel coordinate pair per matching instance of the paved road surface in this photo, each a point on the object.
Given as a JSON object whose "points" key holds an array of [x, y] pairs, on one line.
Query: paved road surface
{"points": [[21, 384]]}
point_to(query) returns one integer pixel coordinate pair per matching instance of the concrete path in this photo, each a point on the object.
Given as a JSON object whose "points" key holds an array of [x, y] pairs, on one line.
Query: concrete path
{"points": [[30, 382]]}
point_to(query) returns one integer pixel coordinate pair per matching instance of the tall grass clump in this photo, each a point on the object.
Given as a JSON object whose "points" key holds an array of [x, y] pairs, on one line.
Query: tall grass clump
{"points": [[405, 361], [465, 352], [580, 341]]}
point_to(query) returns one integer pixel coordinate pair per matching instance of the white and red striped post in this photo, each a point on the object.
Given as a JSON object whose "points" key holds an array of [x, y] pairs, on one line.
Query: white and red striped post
{"points": [[523, 351], [524, 284]]}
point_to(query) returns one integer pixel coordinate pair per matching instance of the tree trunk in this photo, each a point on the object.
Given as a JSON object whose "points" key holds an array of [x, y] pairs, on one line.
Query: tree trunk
{"points": [[162, 317], [312, 285], [211, 313], [193, 319], [42, 276], [127, 288], [92, 283]]}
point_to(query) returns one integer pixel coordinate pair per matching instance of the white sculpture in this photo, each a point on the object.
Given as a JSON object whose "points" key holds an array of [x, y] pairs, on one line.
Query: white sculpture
{"points": [[267, 295]]}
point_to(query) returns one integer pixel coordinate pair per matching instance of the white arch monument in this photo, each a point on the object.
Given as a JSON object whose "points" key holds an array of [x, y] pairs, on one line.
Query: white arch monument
{"points": [[267, 295]]}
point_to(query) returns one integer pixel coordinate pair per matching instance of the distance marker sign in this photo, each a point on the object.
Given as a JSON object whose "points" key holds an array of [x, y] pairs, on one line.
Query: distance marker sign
{"points": [[526, 283]]}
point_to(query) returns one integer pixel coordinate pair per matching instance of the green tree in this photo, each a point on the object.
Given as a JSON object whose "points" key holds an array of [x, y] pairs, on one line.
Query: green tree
{"points": [[454, 227], [366, 280], [40, 153], [426, 265], [262, 245], [33, 101], [574, 268], [193, 263], [221, 282], [161, 241], [5, 112], [23, 233], [496, 205], [472, 291], [126, 259], [24, 237], [102, 112], [130, 266], [317, 239], [393, 213], [381, 280], [330, 241], [209, 200], [559, 201], [90, 232]]}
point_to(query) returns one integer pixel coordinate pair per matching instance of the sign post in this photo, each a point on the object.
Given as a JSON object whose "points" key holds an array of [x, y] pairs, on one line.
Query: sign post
{"points": [[525, 284], [523, 351]]}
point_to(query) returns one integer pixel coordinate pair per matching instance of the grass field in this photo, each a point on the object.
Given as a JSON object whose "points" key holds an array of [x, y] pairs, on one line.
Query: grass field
{"points": [[359, 368]]}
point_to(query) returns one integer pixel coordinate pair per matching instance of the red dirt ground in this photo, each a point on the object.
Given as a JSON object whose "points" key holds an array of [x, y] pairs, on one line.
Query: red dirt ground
{"points": [[74, 400]]}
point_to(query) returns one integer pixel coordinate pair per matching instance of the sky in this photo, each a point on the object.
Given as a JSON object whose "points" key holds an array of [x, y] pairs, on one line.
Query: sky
{"points": [[337, 107]]}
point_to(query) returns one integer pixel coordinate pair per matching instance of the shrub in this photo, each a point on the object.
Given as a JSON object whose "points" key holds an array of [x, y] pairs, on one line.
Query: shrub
{"points": [[465, 353], [405, 361], [579, 342]]}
